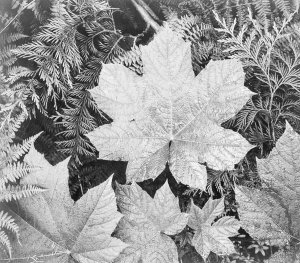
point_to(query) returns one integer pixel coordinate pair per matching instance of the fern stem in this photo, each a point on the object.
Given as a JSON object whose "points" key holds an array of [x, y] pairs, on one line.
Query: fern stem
{"points": [[15, 17], [273, 91], [145, 15], [80, 184], [148, 9], [7, 119], [112, 49]]}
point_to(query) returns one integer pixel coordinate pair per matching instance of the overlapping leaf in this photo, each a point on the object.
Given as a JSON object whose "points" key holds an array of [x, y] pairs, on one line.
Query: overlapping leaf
{"points": [[54, 229], [210, 235], [169, 115], [147, 223], [273, 213]]}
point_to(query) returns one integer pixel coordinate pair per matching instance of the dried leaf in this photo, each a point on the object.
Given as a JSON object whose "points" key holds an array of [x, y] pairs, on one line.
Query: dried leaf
{"points": [[169, 115], [210, 235], [54, 229], [147, 224], [273, 213]]}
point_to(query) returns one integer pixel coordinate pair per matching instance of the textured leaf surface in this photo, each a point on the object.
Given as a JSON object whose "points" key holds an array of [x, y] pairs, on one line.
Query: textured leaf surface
{"points": [[274, 212], [285, 256], [55, 229], [210, 235], [146, 224], [169, 115]]}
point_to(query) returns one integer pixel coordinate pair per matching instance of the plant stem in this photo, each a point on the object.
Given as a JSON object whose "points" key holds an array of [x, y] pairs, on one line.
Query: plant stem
{"points": [[15, 17], [145, 15]]}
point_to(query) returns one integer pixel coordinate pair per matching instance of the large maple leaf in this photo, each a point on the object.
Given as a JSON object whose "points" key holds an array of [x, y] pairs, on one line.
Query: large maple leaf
{"points": [[212, 235], [169, 115], [146, 224], [54, 229], [273, 212]]}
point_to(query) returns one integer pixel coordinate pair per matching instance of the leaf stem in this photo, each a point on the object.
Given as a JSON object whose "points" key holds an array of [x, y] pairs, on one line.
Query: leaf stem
{"points": [[15, 17], [145, 15]]}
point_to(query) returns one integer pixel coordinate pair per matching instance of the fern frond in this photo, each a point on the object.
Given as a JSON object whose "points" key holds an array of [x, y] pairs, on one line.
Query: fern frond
{"points": [[202, 37], [221, 180], [246, 116], [192, 191], [16, 192], [7, 222], [9, 125], [202, 9], [18, 72], [13, 171], [285, 6], [10, 172], [18, 150], [77, 121], [9, 38], [13, 111], [286, 64], [203, 51], [55, 53], [263, 9], [190, 27], [99, 42], [131, 59], [258, 135], [259, 49], [7, 44], [5, 242], [271, 60]]}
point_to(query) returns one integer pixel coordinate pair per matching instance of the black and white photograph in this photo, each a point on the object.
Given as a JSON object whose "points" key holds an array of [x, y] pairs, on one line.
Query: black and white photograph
{"points": [[149, 131]]}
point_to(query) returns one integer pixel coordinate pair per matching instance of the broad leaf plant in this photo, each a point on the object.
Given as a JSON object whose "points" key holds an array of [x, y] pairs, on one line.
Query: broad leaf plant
{"points": [[201, 108]]}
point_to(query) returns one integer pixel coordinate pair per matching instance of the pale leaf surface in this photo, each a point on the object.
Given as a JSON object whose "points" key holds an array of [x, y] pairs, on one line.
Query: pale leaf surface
{"points": [[274, 212], [209, 235], [147, 222], [169, 114], [55, 229]]}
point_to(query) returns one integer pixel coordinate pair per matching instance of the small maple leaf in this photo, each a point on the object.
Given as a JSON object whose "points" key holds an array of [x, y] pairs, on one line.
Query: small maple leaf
{"points": [[169, 115], [54, 229], [210, 235], [273, 212], [147, 224]]}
